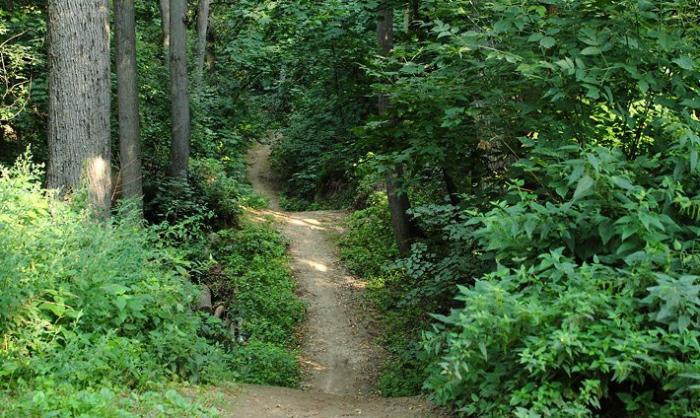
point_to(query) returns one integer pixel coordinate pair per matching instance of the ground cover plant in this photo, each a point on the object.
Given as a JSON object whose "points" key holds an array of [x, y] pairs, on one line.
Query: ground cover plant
{"points": [[522, 177]]}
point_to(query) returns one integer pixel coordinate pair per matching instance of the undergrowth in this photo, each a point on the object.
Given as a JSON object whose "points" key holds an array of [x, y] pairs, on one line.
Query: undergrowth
{"points": [[369, 250], [90, 310], [97, 317], [255, 267]]}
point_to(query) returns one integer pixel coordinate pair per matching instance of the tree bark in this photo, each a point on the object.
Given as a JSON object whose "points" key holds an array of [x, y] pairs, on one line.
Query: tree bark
{"points": [[451, 187], [79, 99], [203, 12], [385, 39], [165, 27], [415, 18], [399, 203], [404, 228], [180, 101], [128, 97]]}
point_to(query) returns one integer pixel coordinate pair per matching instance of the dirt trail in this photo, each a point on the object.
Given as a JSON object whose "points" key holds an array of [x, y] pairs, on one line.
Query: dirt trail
{"points": [[337, 353], [339, 356]]}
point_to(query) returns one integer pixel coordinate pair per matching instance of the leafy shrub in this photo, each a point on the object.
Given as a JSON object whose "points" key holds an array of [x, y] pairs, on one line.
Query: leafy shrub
{"points": [[263, 298], [406, 290], [594, 305], [369, 250], [266, 363], [220, 192], [369, 242], [65, 401], [89, 304], [299, 204], [174, 201]]}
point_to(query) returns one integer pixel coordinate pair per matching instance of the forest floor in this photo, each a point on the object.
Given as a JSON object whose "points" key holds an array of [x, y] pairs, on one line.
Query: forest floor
{"points": [[339, 354]]}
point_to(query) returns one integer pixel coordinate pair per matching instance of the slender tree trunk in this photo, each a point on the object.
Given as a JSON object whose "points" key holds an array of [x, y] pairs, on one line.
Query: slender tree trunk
{"points": [[399, 204], [128, 96], [385, 39], [451, 187], [180, 101], [202, 29], [165, 27], [415, 17], [79, 99]]}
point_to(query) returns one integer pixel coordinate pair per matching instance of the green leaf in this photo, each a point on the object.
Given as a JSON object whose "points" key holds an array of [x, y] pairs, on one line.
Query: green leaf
{"points": [[535, 37], [547, 42], [120, 303], [622, 183], [484, 353], [606, 232], [643, 86], [584, 187], [685, 62], [694, 103], [57, 309], [567, 64], [502, 26], [591, 50]]}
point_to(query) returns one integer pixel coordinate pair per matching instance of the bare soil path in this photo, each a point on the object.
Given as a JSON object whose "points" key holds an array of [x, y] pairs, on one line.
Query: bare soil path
{"points": [[339, 356]]}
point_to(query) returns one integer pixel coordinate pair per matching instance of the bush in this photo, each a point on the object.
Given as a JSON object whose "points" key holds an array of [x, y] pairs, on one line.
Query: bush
{"points": [[369, 250], [263, 299], [314, 158], [86, 304], [594, 306], [369, 245], [267, 363], [64, 401], [220, 192]]}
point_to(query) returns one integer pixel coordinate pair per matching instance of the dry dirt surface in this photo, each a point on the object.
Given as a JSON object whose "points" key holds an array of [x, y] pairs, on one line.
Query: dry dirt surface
{"points": [[339, 357]]}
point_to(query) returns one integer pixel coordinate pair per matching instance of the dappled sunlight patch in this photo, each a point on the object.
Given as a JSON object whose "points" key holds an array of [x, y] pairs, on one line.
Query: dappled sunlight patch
{"points": [[312, 365], [354, 283], [314, 264]]}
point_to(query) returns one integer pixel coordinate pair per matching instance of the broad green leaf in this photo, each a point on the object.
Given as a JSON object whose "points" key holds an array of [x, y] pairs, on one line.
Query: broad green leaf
{"points": [[535, 37], [547, 42], [685, 62], [692, 102], [502, 26], [622, 183], [591, 50], [584, 187]]}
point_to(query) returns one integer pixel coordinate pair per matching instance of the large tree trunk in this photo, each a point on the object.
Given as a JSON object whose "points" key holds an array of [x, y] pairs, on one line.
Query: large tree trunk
{"points": [[127, 92], [180, 101], [399, 203], [202, 29], [79, 99], [165, 27]]}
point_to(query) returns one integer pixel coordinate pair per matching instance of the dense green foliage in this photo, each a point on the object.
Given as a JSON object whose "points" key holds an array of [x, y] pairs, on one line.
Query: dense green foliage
{"points": [[600, 314], [550, 149], [98, 318], [88, 308], [256, 278], [369, 250], [305, 59], [23, 98]]}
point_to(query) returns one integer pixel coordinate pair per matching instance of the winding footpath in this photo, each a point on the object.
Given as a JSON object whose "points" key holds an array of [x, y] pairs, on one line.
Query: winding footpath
{"points": [[340, 359]]}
